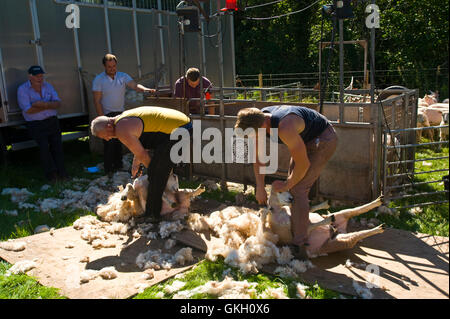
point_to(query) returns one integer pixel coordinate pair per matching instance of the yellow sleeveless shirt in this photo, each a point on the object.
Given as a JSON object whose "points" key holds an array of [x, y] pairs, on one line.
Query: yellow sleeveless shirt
{"points": [[157, 119]]}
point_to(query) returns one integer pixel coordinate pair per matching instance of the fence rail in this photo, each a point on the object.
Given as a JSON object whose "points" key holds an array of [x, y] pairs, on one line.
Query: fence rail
{"points": [[400, 173]]}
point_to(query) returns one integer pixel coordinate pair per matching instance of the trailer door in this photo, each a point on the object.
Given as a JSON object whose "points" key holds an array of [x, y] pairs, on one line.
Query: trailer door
{"points": [[20, 48]]}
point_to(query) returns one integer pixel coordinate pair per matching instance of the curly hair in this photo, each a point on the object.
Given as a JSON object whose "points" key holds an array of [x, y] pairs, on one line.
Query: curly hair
{"points": [[250, 117]]}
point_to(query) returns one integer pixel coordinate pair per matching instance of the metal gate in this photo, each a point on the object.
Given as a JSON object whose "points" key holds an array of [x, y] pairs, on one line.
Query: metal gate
{"points": [[415, 170]]}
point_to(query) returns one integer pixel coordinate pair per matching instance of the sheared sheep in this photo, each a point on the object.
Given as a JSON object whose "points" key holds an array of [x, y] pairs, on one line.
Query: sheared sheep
{"points": [[325, 234], [131, 201]]}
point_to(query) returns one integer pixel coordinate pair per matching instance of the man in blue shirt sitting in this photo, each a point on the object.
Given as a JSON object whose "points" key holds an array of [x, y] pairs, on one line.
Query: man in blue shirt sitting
{"points": [[39, 103]]}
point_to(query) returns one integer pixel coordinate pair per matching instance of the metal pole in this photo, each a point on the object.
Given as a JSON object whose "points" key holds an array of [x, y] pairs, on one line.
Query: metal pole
{"points": [[136, 41], [203, 51], [202, 100], [107, 28], [222, 109], [341, 70], [3, 92], [80, 67], [372, 64], [169, 47], [161, 39], [37, 33], [320, 71], [233, 62]]}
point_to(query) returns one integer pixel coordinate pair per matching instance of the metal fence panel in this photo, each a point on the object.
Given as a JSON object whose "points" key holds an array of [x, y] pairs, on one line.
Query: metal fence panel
{"points": [[122, 41], [148, 39], [59, 56], [92, 39], [18, 54]]}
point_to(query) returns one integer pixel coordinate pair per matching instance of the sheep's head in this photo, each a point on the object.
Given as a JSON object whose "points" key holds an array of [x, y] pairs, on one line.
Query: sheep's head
{"points": [[430, 98], [172, 183], [280, 199], [140, 186], [444, 119]]}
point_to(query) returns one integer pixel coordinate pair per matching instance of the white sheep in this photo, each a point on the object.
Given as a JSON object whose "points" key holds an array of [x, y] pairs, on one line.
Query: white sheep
{"points": [[325, 234]]}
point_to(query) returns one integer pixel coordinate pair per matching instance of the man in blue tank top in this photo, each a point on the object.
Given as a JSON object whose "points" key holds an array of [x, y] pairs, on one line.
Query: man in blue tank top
{"points": [[311, 141]]}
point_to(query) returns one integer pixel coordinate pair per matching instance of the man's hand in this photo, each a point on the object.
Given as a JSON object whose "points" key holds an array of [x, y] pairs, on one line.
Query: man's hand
{"points": [[39, 104], [279, 186], [147, 90], [135, 169], [261, 195]]}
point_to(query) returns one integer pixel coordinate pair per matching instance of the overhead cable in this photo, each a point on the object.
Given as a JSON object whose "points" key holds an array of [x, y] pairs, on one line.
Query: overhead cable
{"points": [[284, 15]]}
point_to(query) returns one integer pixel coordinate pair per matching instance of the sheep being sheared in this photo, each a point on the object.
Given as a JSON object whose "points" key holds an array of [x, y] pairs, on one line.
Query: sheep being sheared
{"points": [[131, 201], [325, 234]]}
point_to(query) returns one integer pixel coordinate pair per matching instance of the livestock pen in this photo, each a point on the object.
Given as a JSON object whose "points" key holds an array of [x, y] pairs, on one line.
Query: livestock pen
{"points": [[356, 171]]}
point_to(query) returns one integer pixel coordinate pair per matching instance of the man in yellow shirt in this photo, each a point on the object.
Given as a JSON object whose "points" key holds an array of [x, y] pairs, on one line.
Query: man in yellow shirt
{"points": [[143, 128]]}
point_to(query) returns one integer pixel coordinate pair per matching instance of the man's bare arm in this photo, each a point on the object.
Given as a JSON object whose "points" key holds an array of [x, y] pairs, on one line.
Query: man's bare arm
{"points": [[126, 132], [288, 133], [40, 106], [139, 87], [98, 102]]}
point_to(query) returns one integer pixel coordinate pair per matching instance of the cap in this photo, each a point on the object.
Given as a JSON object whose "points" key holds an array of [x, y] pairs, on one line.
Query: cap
{"points": [[35, 70]]}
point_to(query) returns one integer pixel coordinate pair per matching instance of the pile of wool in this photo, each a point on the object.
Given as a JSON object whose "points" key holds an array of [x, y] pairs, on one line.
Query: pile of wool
{"points": [[274, 293], [33, 207], [293, 268], [241, 237], [166, 228], [175, 286], [21, 267], [18, 195], [106, 273], [9, 212], [119, 209], [13, 245], [225, 289], [96, 232], [98, 191], [156, 259]]}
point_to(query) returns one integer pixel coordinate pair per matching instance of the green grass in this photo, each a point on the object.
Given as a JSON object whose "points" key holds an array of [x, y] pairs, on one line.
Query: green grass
{"points": [[24, 171], [433, 219], [275, 97], [207, 271], [23, 287]]}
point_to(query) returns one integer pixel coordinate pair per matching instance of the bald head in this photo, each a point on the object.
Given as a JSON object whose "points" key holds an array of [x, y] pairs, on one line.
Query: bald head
{"points": [[99, 125]]}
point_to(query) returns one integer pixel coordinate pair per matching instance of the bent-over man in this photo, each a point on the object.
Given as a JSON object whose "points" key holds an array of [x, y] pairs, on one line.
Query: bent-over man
{"points": [[140, 129], [311, 141]]}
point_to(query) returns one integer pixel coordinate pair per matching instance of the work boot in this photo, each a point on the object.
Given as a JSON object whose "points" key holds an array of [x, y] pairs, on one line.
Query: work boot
{"points": [[299, 252]]}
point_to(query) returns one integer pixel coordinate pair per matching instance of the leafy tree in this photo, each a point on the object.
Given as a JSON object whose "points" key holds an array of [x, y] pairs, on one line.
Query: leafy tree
{"points": [[412, 41]]}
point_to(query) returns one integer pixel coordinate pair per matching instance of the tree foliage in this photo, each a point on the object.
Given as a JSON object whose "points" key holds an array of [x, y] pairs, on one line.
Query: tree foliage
{"points": [[412, 41]]}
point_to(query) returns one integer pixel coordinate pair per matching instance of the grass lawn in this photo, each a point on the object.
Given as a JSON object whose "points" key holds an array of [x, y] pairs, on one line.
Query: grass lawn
{"points": [[24, 171]]}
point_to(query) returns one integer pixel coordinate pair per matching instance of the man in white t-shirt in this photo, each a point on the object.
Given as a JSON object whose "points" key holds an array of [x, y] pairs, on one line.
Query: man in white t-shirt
{"points": [[109, 99]]}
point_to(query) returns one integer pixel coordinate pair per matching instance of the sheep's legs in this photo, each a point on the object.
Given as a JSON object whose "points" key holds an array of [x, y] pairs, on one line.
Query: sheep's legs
{"points": [[193, 193], [343, 216], [320, 206], [352, 212], [326, 221], [348, 241]]}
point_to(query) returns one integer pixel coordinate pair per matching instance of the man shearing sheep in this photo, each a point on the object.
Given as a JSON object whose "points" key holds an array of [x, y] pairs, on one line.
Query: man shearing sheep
{"points": [[311, 141], [140, 129]]}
